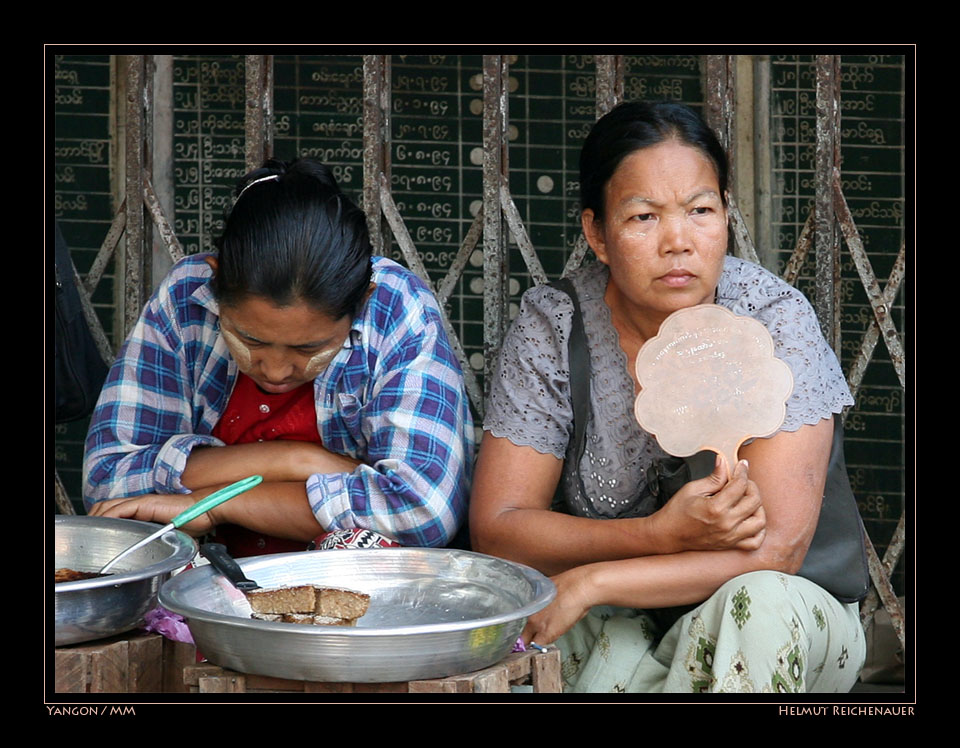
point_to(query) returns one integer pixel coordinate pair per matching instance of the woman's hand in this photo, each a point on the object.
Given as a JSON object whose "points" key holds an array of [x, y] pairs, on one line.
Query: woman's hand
{"points": [[572, 602], [160, 508], [713, 514]]}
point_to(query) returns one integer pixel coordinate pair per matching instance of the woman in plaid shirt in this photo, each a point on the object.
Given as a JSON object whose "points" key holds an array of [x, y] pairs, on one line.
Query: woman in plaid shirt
{"points": [[293, 354]]}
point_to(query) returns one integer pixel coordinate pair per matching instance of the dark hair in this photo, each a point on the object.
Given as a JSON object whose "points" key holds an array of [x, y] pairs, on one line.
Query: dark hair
{"points": [[632, 126], [291, 236]]}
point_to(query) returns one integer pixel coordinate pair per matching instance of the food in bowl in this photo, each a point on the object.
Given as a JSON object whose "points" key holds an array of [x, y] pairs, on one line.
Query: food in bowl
{"points": [[72, 575], [309, 604]]}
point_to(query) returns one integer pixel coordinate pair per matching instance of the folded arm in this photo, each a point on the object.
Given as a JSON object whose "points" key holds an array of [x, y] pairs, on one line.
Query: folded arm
{"points": [[416, 435], [511, 518], [279, 509], [789, 470], [277, 461]]}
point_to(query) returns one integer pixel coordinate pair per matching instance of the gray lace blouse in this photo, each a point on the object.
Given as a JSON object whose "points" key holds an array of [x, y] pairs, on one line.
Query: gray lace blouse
{"points": [[529, 400]]}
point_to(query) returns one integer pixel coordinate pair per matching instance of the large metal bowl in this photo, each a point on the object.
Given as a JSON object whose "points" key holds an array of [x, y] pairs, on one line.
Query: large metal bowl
{"points": [[96, 608], [433, 613]]}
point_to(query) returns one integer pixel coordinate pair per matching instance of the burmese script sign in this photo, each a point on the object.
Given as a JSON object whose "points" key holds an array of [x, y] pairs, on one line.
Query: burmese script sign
{"points": [[709, 380]]}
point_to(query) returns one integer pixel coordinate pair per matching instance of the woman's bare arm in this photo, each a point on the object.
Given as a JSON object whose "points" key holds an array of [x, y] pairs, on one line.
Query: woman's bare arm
{"points": [[510, 517]]}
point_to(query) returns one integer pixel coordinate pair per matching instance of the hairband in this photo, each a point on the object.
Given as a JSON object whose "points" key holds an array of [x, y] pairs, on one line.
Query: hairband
{"points": [[257, 181]]}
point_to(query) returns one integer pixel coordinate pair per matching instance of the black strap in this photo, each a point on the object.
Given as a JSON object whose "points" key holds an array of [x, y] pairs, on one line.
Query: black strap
{"points": [[579, 362]]}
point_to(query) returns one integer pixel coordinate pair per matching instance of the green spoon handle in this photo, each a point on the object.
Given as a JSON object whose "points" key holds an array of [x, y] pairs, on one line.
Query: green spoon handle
{"points": [[216, 499]]}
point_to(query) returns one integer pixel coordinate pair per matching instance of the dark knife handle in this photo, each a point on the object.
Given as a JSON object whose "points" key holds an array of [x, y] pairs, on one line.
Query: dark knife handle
{"points": [[216, 554]]}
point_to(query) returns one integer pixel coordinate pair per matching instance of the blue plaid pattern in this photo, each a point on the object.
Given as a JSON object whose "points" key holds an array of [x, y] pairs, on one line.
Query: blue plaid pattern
{"points": [[393, 398]]}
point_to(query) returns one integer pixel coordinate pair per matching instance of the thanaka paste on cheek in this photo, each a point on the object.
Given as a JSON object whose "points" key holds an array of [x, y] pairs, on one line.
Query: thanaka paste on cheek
{"points": [[318, 363], [238, 350]]}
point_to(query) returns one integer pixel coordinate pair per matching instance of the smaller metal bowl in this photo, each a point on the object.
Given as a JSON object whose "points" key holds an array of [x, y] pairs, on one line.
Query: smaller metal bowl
{"points": [[103, 606]]}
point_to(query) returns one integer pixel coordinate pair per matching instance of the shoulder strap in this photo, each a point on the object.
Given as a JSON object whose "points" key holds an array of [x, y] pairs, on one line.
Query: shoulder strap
{"points": [[579, 362]]}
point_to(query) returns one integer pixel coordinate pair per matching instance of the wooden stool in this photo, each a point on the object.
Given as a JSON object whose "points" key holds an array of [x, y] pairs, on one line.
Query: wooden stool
{"points": [[134, 662], [539, 669]]}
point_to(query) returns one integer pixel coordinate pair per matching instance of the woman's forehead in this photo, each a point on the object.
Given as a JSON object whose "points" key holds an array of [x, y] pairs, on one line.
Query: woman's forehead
{"points": [[668, 170], [296, 324]]}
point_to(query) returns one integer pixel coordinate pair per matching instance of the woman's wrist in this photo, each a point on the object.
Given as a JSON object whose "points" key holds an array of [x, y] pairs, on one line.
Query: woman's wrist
{"points": [[650, 538], [585, 585]]}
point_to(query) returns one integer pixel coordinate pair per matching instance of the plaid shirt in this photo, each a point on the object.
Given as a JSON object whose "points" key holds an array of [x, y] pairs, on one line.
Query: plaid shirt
{"points": [[393, 397]]}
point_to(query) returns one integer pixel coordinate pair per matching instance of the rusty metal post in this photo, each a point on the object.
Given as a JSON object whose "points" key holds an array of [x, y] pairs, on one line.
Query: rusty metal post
{"points": [[376, 146], [610, 70], [62, 499], [609, 92], [495, 254], [720, 85], [258, 109], [136, 270], [826, 236]]}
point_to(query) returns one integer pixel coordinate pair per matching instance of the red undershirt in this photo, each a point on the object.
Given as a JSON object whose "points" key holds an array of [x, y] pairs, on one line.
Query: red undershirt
{"points": [[253, 415]]}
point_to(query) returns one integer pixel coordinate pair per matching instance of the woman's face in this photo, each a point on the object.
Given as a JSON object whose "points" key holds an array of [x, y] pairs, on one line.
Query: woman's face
{"points": [[281, 347], [664, 235]]}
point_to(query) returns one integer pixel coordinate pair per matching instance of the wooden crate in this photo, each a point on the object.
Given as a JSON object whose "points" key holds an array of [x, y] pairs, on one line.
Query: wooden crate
{"points": [[135, 662], [539, 669]]}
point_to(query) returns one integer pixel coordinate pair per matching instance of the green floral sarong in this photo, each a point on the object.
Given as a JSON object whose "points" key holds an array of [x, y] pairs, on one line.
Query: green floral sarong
{"points": [[763, 632]]}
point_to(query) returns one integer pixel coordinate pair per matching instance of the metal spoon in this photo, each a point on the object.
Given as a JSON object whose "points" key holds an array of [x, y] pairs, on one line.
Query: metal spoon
{"points": [[213, 500]]}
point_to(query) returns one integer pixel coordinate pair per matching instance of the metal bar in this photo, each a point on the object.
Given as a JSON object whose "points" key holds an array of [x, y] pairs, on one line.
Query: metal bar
{"points": [[401, 234], [881, 582], [515, 222], [827, 277], [162, 160], [415, 264], [800, 252], [741, 236], [167, 235], [870, 604], [258, 109], [134, 294], [870, 337], [720, 85], [576, 257], [376, 145], [149, 76], [474, 233], [63, 503], [93, 322], [609, 88], [107, 249], [495, 257], [881, 308], [762, 159]]}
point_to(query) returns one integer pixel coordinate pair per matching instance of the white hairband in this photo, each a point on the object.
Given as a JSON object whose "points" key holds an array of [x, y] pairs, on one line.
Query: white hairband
{"points": [[257, 181]]}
